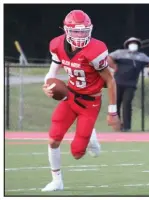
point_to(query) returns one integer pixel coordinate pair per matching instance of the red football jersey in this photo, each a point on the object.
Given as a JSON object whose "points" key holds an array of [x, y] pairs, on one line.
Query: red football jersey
{"points": [[82, 65]]}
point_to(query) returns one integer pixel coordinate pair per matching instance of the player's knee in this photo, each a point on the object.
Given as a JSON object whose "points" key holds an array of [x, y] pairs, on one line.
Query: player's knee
{"points": [[53, 143], [77, 152], [78, 156]]}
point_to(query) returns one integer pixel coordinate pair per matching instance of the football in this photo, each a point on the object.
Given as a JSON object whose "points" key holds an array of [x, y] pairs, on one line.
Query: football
{"points": [[58, 87]]}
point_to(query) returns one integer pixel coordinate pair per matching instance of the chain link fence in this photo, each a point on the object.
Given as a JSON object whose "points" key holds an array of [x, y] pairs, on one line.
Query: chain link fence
{"points": [[28, 109]]}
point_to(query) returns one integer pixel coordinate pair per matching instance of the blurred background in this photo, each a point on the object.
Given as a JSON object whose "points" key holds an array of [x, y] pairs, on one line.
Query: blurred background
{"points": [[33, 26]]}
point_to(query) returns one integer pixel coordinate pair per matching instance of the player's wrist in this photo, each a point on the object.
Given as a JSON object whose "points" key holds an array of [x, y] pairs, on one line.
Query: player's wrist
{"points": [[112, 110]]}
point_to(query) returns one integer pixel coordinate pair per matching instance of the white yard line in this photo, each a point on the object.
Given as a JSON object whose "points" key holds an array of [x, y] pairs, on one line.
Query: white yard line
{"points": [[80, 170], [88, 186], [136, 185], [146, 171], [23, 189], [45, 153], [86, 166], [129, 164], [26, 168], [75, 166], [126, 151]]}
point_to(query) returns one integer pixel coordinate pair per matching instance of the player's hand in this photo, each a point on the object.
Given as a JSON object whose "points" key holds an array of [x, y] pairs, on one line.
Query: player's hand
{"points": [[114, 121], [47, 90]]}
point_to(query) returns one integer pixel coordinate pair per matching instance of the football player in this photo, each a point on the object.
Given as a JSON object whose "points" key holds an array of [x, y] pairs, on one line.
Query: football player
{"points": [[85, 61]]}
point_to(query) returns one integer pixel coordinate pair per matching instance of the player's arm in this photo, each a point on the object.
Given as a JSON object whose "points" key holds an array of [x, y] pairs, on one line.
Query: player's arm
{"points": [[112, 117], [111, 59], [54, 68], [111, 85], [101, 65], [112, 64]]}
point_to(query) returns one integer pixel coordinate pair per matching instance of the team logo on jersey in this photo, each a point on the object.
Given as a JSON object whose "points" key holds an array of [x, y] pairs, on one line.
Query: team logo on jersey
{"points": [[66, 62], [72, 64], [76, 65], [80, 59]]}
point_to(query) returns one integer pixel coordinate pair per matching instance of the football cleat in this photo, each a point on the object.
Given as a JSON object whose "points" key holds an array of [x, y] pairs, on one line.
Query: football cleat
{"points": [[55, 185], [94, 146]]}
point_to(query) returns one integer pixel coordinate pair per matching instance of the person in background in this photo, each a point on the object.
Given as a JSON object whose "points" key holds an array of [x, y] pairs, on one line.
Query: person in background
{"points": [[127, 64]]}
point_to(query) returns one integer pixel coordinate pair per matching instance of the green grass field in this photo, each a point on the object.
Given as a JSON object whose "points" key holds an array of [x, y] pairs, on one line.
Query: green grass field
{"points": [[117, 171], [38, 109], [33, 71]]}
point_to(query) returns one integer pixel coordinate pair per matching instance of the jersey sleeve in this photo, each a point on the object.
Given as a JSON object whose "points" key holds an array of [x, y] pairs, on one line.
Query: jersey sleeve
{"points": [[53, 49], [98, 56]]}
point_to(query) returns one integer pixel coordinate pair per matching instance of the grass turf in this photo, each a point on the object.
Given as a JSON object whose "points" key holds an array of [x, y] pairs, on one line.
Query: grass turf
{"points": [[117, 171]]}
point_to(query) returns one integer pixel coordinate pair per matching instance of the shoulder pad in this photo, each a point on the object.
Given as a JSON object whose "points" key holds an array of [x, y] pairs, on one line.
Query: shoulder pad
{"points": [[54, 43], [95, 48]]}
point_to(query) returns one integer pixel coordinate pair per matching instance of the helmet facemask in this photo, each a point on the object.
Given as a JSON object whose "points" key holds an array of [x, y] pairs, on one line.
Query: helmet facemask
{"points": [[79, 36]]}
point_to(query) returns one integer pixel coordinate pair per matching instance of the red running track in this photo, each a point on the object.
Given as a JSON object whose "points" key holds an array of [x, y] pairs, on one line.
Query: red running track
{"points": [[103, 137]]}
